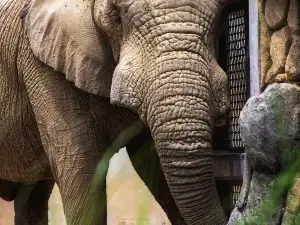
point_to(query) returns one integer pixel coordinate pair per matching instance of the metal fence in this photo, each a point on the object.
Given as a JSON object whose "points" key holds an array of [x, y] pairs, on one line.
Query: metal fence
{"points": [[233, 52], [237, 69]]}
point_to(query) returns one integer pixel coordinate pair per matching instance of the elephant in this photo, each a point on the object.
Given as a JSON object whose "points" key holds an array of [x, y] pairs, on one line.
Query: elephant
{"points": [[270, 129], [31, 200], [80, 78]]}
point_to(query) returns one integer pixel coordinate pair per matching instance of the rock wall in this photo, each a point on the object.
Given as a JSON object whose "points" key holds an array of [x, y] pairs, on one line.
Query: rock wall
{"points": [[279, 41], [280, 62], [270, 130], [292, 209]]}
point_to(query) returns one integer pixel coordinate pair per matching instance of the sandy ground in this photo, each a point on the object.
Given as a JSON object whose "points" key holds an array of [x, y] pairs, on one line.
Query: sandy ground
{"points": [[6, 213], [129, 200]]}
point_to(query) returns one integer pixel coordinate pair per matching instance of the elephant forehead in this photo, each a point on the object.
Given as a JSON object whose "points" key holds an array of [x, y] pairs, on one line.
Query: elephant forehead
{"points": [[209, 6], [170, 11]]}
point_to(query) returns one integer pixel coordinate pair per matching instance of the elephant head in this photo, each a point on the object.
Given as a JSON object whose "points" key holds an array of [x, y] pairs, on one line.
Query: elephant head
{"points": [[270, 129], [157, 58]]}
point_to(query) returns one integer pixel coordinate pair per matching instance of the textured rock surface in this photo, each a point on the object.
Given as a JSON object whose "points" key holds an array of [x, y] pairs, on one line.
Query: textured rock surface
{"points": [[294, 16], [279, 48], [289, 219], [260, 187], [292, 66], [276, 13], [292, 211], [264, 42], [270, 129], [279, 41], [266, 122]]}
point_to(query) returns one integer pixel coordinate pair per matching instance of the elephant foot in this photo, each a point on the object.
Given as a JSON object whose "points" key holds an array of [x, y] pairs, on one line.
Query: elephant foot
{"points": [[8, 190]]}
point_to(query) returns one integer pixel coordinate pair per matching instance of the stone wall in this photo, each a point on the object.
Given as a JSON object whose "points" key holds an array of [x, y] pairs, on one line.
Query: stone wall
{"points": [[279, 41], [292, 209], [279, 61], [279, 38]]}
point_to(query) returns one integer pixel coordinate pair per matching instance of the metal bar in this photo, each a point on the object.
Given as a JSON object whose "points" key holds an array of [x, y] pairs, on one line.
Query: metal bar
{"points": [[254, 47]]}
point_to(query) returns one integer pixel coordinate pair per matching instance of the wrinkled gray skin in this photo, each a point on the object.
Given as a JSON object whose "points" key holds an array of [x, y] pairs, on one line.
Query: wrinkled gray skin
{"points": [[268, 122], [154, 58]]}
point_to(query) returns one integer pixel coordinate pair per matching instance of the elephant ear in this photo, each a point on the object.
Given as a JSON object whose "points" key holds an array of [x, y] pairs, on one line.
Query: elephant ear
{"points": [[63, 35]]}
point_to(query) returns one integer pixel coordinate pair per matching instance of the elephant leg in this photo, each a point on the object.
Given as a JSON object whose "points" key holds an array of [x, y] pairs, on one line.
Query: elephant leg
{"points": [[31, 203], [145, 161], [8, 190], [74, 167], [83, 193], [74, 143]]}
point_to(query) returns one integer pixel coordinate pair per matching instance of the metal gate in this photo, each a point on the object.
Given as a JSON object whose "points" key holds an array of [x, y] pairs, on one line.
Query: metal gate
{"points": [[233, 57]]}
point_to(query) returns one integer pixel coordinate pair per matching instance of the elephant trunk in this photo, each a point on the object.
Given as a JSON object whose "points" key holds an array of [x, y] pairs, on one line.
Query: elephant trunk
{"points": [[180, 119]]}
